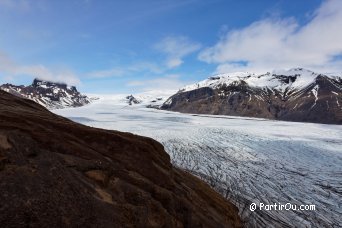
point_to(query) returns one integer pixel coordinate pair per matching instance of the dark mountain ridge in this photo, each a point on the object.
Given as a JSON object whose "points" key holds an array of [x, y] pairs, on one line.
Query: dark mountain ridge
{"points": [[52, 95]]}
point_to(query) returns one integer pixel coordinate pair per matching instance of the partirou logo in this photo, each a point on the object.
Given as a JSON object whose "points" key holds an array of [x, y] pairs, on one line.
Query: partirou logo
{"points": [[281, 207]]}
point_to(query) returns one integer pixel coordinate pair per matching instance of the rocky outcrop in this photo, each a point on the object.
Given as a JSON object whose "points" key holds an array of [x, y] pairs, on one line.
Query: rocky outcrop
{"points": [[132, 100], [295, 96], [57, 173], [49, 94]]}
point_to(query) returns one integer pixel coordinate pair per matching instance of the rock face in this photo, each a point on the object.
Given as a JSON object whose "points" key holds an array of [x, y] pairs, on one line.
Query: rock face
{"points": [[295, 95], [132, 100], [57, 173], [149, 99], [49, 94]]}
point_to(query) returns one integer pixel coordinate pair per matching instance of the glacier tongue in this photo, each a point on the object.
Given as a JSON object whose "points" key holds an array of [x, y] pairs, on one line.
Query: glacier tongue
{"points": [[245, 159]]}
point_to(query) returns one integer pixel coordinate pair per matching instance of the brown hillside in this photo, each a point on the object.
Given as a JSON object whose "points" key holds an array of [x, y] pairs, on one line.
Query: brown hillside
{"points": [[57, 173]]}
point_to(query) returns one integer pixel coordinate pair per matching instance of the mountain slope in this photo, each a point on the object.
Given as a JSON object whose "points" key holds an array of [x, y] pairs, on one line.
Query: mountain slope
{"points": [[49, 94], [57, 173], [295, 95]]}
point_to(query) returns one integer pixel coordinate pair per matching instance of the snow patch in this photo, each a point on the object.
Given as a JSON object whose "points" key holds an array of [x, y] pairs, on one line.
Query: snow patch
{"points": [[315, 93], [282, 80]]}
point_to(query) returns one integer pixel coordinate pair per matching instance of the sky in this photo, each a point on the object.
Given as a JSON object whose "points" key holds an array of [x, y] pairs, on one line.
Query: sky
{"points": [[130, 46]]}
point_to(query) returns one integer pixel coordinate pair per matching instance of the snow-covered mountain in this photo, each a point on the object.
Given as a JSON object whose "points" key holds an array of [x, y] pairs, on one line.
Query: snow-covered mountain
{"points": [[49, 94], [295, 95]]}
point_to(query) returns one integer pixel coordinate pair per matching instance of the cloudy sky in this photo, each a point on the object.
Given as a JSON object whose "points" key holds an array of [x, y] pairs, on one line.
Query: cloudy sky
{"points": [[133, 45]]}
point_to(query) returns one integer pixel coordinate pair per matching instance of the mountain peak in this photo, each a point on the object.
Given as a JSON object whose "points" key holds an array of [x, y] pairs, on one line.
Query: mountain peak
{"points": [[297, 95], [282, 80], [52, 95], [40, 82]]}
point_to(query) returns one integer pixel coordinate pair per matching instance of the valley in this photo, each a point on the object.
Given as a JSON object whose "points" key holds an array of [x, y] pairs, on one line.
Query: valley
{"points": [[247, 160]]}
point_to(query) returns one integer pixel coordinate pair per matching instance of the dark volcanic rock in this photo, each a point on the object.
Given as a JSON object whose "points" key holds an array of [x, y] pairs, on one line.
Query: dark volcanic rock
{"points": [[57, 173], [132, 100], [320, 101], [49, 94]]}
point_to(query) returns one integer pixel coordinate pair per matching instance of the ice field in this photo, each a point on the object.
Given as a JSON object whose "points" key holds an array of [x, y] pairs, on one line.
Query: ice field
{"points": [[247, 160]]}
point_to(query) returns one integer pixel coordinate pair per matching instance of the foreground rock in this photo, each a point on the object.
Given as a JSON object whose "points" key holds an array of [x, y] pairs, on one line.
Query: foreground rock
{"points": [[56, 173], [49, 94], [294, 95]]}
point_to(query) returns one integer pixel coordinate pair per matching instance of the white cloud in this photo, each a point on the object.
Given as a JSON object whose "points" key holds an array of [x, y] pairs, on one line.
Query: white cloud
{"points": [[10, 69], [174, 62], [136, 83], [282, 43], [150, 76], [167, 82], [126, 70], [176, 48], [114, 72]]}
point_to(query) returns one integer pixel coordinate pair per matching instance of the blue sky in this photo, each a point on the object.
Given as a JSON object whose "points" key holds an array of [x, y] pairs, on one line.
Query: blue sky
{"points": [[135, 45]]}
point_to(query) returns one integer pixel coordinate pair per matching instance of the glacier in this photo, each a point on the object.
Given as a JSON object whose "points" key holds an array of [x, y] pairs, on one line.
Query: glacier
{"points": [[247, 160]]}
